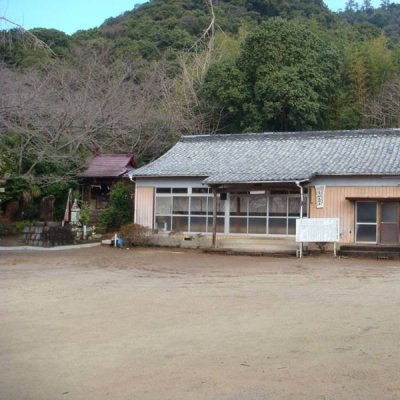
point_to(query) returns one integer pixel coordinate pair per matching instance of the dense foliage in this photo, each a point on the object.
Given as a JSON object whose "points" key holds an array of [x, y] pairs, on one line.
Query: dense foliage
{"points": [[119, 211], [282, 80], [386, 17]]}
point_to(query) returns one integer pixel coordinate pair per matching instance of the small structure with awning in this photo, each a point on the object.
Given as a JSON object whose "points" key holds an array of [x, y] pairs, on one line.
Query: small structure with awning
{"points": [[103, 171], [257, 185]]}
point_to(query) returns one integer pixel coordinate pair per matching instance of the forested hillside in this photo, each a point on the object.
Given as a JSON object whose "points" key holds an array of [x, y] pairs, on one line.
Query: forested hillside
{"points": [[386, 17], [169, 67]]}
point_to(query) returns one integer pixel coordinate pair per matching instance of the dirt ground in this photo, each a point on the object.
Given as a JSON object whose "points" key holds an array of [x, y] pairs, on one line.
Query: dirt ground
{"points": [[107, 323]]}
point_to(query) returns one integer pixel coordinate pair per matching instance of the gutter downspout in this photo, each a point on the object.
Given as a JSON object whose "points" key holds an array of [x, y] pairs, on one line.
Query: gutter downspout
{"points": [[298, 184], [214, 227], [135, 198]]}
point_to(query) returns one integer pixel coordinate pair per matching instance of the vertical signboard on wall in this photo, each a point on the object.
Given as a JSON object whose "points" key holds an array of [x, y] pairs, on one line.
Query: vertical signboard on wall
{"points": [[320, 196]]}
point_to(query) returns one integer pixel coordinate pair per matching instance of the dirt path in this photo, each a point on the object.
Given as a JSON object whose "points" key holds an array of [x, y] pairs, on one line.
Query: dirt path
{"points": [[159, 324]]}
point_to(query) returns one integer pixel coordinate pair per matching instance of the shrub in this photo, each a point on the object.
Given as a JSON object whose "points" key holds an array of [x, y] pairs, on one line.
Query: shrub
{"points": [[120, 210], [6, 228], [85, 213], [135, 235], [20, 225]]}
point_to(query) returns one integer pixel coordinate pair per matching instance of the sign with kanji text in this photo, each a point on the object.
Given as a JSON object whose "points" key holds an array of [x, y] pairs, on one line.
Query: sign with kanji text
{"points": [[317, 230], [320, 195]]}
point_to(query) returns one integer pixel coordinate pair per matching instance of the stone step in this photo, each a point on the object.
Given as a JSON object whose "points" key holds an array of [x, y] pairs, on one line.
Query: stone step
{"points": [[389, 255], [371, 248]]}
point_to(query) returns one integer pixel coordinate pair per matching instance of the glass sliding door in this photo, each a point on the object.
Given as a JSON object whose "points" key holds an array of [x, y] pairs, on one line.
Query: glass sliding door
{"points": [[389, 222], [257, 214], [265, 214], [366, 221]]}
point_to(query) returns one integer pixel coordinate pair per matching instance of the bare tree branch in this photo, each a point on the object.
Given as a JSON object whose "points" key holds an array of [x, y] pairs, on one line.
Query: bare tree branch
{"points": [[37, 43], [383, 110], [55, 117]]}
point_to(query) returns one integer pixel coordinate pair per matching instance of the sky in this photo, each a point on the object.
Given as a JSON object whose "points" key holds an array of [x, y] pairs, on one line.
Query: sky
{"points": [[71, 15]]}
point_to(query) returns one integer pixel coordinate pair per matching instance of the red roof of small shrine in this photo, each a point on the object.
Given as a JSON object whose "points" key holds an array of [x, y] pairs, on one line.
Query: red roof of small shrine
{"points": [[109, 165]]}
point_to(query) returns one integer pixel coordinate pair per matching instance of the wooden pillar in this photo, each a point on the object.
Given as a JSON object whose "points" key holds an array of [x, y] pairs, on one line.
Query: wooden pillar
{"points": [[214, 234]]}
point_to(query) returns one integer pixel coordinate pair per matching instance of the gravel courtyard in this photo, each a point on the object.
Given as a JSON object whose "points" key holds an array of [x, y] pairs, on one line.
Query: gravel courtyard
{"points": [[105, 323]]}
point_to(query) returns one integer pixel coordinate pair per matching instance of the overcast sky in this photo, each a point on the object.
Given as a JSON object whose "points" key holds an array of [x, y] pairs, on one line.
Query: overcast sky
{"points": [[72, 15]]}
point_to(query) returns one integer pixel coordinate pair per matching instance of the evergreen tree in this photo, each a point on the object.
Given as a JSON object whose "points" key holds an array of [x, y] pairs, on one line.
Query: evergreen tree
{"points": [[367, 6], [351, 6], [282, 80]]}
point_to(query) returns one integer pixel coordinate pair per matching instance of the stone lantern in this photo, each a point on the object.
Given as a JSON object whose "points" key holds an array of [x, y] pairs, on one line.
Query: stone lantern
{"points": [[75, 213]]}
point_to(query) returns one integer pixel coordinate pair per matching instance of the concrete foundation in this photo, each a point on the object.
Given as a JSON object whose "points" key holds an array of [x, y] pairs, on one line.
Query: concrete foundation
{"points": [[285, 245]]}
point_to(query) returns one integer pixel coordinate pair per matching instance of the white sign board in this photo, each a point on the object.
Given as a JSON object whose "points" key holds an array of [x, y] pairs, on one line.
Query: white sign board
{"points": [[317, 230], [320, 195]]}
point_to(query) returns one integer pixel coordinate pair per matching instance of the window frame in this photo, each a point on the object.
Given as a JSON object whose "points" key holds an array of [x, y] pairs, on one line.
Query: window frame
{"points": [[207, 216], [190, 195], [356, 223], [287, 194]]}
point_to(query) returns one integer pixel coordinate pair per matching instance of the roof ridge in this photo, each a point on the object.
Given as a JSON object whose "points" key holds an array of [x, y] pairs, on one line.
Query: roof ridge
{"points": [[302, 134]]}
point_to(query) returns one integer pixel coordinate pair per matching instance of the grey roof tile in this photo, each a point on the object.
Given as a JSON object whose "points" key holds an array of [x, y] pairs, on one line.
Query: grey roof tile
{"points": [[263, 157]]}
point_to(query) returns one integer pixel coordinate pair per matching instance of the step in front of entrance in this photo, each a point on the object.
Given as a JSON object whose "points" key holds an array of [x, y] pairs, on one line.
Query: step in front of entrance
{"points": [[376, 251]]}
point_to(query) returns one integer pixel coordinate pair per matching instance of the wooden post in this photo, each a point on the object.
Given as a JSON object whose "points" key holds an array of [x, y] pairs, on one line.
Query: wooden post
{"points": [[214, 234]]}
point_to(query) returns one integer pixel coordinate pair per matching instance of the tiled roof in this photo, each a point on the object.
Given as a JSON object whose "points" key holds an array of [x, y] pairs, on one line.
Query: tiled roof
{"points": [[109, 166], [263, 157]]}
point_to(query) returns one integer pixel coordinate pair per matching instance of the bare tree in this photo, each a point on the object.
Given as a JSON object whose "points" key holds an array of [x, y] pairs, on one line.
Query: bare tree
{"points": [[197, 60], [52, 118], [383, 110]]}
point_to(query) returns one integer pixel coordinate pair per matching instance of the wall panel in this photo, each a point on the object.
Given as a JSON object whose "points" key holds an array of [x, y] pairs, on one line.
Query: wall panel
{"points": [[144, 206], [336, 205]]}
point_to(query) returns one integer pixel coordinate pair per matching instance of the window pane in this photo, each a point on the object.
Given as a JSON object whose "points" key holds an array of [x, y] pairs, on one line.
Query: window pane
{"points": [[220, 206], [220, 225], [258, 225], [294, 206], [198, 205], [238, 205], [163, 190], [275, 192], [163, 205], [292, 226], [366, 211], [198, 224], [257, 205], [277, 206], [179, 190], [238, 225], [180, 224], [199, 190], [163, 223], [181, 205], [366, 233], [277, 226], [389, 212]]}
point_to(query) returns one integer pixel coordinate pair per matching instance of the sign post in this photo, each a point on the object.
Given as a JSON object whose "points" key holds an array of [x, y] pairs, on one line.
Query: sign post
{"points": [[318, 230]]}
